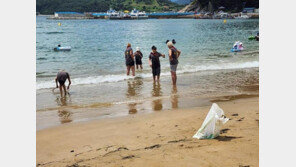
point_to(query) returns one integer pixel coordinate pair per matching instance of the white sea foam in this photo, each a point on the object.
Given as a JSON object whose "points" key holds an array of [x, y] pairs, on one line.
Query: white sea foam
{"points": [[121, 77]]}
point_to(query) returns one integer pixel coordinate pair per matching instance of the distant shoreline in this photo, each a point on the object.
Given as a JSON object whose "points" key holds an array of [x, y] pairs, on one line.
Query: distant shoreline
{"points": [[189, 16]]}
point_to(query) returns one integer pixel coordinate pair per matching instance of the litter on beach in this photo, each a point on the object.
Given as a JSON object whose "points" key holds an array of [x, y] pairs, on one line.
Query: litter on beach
{"points": [[211, 126]]}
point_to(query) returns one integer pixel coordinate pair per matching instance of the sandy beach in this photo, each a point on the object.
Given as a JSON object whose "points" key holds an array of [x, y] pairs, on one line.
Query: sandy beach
{"points": [[157, 139]]}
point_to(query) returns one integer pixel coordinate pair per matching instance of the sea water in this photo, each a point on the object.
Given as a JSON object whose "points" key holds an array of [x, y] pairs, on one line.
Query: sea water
{"points": [[96, 63], [98, 46]]}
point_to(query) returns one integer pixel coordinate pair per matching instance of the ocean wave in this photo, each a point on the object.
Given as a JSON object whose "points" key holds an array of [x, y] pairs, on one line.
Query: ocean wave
{"points": [[44, 76], [41, 58], [54, 32], [122, 77]]}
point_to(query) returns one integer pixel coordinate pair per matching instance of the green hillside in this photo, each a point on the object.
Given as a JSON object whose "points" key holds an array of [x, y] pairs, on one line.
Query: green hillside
{"points": [[51, 6], [213, 5]]}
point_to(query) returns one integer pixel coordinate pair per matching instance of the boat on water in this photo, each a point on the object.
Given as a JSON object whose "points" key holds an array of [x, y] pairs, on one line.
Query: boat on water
{"points": [[242, 16], [222, 15], [113, 14], [135, 14], [62, 48], [142, 15], [126, 16]]}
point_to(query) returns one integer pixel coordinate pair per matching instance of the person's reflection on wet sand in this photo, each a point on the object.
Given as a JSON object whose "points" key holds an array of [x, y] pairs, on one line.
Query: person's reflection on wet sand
{"points": [[133, 89], [65, 116], [132, 108], [157, 105], [61, 101], [174, 97], [156, 92]]}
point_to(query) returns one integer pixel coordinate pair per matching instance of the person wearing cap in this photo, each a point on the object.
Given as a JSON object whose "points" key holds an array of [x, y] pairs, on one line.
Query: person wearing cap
{"points": [[155, 63], [129, 60], [174, 54], [138, 56]]}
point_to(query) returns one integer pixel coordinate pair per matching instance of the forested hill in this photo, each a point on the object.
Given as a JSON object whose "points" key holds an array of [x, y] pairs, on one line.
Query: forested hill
{"points": [[214, 5], [51, 6]]}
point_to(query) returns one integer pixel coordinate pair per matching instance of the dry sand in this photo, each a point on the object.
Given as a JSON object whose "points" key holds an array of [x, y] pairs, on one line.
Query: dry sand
{"points": [[159, 139]]}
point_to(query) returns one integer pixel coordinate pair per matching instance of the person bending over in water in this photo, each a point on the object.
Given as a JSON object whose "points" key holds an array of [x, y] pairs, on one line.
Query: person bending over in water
{"points": [[174, 54], [129, 59], [62, 77], [138, 55], [155, 63]]}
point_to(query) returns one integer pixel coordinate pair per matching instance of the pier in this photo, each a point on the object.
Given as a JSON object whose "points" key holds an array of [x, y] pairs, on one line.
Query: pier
{"points": [[114, 15]]}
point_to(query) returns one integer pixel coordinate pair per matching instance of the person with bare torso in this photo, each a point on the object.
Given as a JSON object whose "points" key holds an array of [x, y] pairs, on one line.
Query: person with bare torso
{"points": [[61, 78]]}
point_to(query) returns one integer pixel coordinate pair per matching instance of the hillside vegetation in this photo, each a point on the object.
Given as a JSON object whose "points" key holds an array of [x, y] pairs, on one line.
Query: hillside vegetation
{"points": [[213, 5], [51, 6]]}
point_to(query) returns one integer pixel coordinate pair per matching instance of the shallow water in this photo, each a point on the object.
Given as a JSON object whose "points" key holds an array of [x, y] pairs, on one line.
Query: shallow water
{"points": [[96, 64], [98, 46], [141, 95]]}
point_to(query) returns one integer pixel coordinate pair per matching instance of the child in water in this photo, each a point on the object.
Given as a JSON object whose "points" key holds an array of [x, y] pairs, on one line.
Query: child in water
{"points": [[138, 56], [155, 63]]}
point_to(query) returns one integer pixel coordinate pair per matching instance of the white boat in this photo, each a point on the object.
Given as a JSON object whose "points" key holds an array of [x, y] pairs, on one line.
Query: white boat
{"points": [[242, 16], [126, 16], [135, 14], [64, 48], [113, 14], [142, 15]]}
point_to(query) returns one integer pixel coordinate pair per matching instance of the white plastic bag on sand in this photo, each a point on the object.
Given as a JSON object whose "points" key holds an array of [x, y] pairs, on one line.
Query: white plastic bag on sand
{"points": [[211, 126]]}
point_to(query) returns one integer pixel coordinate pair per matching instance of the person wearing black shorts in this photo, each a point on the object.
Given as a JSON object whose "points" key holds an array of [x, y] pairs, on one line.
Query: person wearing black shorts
{"points": [[129, 59], [138, 56], [62, 77], [155, 63]]}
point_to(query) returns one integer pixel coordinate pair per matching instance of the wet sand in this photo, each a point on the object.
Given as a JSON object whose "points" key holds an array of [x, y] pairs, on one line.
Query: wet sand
{"points": [[141, 96], [158, 139]]}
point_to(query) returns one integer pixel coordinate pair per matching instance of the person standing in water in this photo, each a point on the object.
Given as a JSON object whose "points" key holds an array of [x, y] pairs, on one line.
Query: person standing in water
{"points": [[155, 63], [138, 55], [62, 77], [174, 54], [129, 60]]}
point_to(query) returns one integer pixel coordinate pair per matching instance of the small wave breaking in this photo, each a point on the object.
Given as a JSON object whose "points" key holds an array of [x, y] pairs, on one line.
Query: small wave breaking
{"points": [[122, 77]]}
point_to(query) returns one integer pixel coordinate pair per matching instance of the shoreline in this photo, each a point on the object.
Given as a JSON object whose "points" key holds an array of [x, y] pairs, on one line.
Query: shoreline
{"points": [[141, 96], [168, 16], [158, 139]]}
